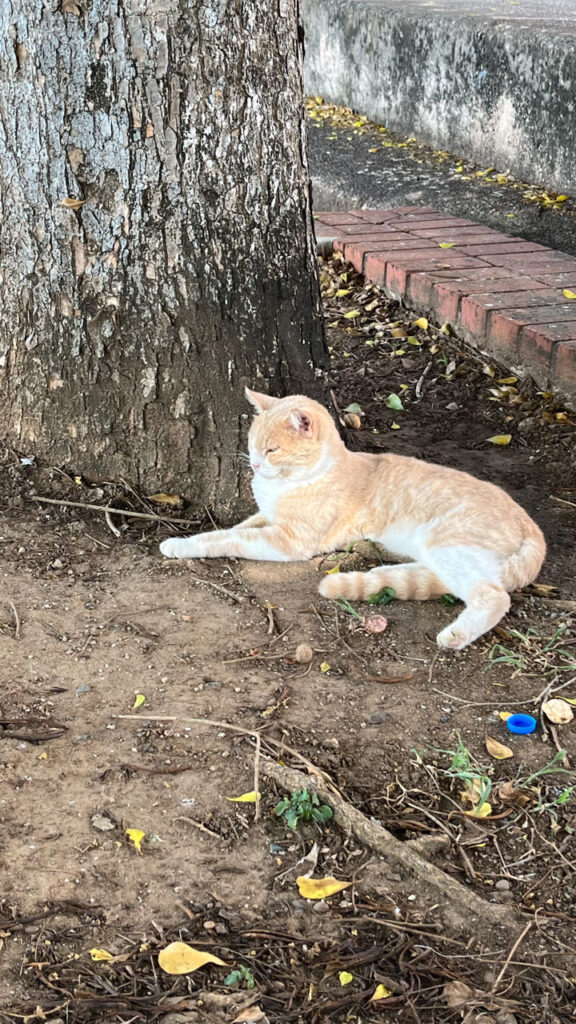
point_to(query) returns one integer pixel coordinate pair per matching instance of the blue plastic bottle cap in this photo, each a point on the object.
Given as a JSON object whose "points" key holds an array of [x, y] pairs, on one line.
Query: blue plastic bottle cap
{"points": [[521, 724]]}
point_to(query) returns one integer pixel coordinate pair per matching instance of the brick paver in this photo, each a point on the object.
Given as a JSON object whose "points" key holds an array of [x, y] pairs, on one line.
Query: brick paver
{"points": [[504, 295]]}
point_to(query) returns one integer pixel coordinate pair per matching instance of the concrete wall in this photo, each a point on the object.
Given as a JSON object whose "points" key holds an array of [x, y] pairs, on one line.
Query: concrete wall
{"points": [[503, 95]]}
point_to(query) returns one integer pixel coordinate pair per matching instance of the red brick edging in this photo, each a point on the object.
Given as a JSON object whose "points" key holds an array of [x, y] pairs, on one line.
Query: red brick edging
{"points": [[504, 295]]}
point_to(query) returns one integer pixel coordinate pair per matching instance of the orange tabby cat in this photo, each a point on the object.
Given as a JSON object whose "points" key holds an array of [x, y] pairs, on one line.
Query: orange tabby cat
{"points": [[465, 537]]}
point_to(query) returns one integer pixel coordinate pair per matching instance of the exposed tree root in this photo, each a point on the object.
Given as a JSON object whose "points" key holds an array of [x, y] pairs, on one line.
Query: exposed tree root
{"points": [[450, 897]]}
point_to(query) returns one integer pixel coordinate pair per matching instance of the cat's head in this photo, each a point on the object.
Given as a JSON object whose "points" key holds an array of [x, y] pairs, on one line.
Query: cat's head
{"points": [[289, 436]]}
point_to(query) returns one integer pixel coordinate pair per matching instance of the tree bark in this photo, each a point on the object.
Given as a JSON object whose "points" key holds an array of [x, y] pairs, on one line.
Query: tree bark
{"points": [[157, 234]]}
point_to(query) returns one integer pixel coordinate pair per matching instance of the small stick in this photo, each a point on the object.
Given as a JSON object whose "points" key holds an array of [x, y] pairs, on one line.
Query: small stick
{"points": [[562, 501], [115, 511], [257, 779], [511, 954], [270, 629], [216, 586], [552, 729], [418, 388], [16, 620], [113, 529], [198, 824]]}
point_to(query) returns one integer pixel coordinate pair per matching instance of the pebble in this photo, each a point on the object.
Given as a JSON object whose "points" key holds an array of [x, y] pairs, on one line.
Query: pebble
{"points": [[377, 718], [502, 884], [321, 907], [82, 689]]}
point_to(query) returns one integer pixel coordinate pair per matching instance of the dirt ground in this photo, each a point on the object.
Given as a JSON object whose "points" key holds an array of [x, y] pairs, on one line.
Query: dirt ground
{"points": [[90, 620]]}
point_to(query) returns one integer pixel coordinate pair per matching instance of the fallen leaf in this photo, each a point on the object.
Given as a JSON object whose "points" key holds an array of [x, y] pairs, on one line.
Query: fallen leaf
{"points": [[251, 1015], [446, 245], [352, 314], [561, 199], [504, 715], [381, 992], [412, 340], [180, 958], [101, 954], [394, 426], [498, 750], [355, 408], [342, 292], [568, 294], [72, 204], [394, 402], [446, 329], [246, 798], [140, 699], [483, 811], [345, 977], [136, 835], [165, 499], [333, 570], [319, 888], [510, 380], [457, 994], [421, 322], [558, 711], [500, 439], [398, 332], [324, 667]]}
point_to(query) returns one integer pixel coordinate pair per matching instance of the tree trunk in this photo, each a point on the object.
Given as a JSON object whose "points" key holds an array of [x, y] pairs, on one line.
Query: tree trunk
{"points": [[157, 234]]}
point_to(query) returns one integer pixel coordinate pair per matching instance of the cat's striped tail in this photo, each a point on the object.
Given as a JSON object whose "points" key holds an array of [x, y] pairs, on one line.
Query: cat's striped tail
{"points": [[411, 581], [524, 565]]}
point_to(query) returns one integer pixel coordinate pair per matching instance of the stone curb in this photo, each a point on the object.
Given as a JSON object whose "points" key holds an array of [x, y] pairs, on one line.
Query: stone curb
{"points": [[503, 295]]}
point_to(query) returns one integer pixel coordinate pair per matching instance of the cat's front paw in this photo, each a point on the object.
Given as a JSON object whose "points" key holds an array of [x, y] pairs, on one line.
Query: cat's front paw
{"points": [[177, 547], [453, 638]]}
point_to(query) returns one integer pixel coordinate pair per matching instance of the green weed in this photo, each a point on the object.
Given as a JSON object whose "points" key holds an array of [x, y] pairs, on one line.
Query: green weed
{"points": [[303, 806]]}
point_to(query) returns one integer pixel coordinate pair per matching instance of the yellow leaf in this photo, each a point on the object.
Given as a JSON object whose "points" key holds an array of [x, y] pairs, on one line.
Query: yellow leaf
{"points": [[319, 888], [504, 715], [489, 370], [136, 835], [375, 150], [345, 977], [78, 480], [395, 426], [498, 750], [180, 958], [483, 811], [570, 700], [381, 993], [140, 698], [165, 499], [446, 245], [101, 954], [421, 322], [246, 798], [510, 380], [331, 572], [568, 293], [500, 439], [352, 314], [343, 291], [324, 667], [562, 199], [413, 340], [72, 204], [446, 329]]}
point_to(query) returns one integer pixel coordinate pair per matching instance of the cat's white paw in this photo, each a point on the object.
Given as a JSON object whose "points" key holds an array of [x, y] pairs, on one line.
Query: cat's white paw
{"points": [[177, 547], [454, 638]]}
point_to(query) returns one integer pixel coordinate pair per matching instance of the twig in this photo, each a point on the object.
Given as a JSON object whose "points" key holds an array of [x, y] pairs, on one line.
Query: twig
{"points": [[199, 825], [215, 586], [522, 935], [562, 501], [110, 508], [271, 626], [418, 388], [257, 779], [552, 730], [113, 529], [16, 620]]}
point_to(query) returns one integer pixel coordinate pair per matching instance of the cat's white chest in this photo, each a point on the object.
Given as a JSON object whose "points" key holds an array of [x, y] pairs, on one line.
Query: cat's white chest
{"points": [[266, 492]]}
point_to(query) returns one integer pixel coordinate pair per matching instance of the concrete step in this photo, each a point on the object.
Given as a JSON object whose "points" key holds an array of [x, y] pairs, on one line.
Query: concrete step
{"points": [[491, 80]]}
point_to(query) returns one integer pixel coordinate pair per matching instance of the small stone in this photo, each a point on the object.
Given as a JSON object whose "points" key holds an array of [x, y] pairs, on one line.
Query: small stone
{"points": [[82, 689], [502, 884], [321, 907], [57, 564], [209, 925], [304, 654], [102, 822], [377, 718]]}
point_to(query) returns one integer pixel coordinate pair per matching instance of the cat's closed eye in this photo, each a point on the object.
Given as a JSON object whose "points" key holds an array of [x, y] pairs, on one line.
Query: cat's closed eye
{"points": [[270, 451]]}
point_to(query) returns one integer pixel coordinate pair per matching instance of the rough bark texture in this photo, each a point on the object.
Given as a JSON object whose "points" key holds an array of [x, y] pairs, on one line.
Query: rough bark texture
{"points": [[132, 321]]}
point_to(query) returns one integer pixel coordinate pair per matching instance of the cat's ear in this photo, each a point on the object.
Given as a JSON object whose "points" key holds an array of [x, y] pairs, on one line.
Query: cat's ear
{"points": [[303, 423], [259, 401]]}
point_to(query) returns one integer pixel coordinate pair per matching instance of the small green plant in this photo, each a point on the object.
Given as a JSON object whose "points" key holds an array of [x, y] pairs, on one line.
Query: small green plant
{"points": [[348, 608], [463, 768], [303, 806], [241, 976], [384, 596], [448, 599]]}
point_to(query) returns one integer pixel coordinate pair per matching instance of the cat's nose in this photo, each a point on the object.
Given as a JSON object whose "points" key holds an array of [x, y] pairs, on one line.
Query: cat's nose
{"points": [[255, 466]]}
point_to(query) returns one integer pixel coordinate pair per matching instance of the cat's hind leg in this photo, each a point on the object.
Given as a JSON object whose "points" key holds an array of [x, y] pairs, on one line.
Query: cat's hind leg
{"points": [[411, 581], [472, 574]]}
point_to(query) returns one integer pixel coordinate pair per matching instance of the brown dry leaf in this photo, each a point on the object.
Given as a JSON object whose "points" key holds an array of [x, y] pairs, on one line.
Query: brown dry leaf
{"points": [[166, 499], [508, 794], [180, 958], [251, 1015], [498, 750], [558, 711], [457, 994], [72, 204], [319, 888]]}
